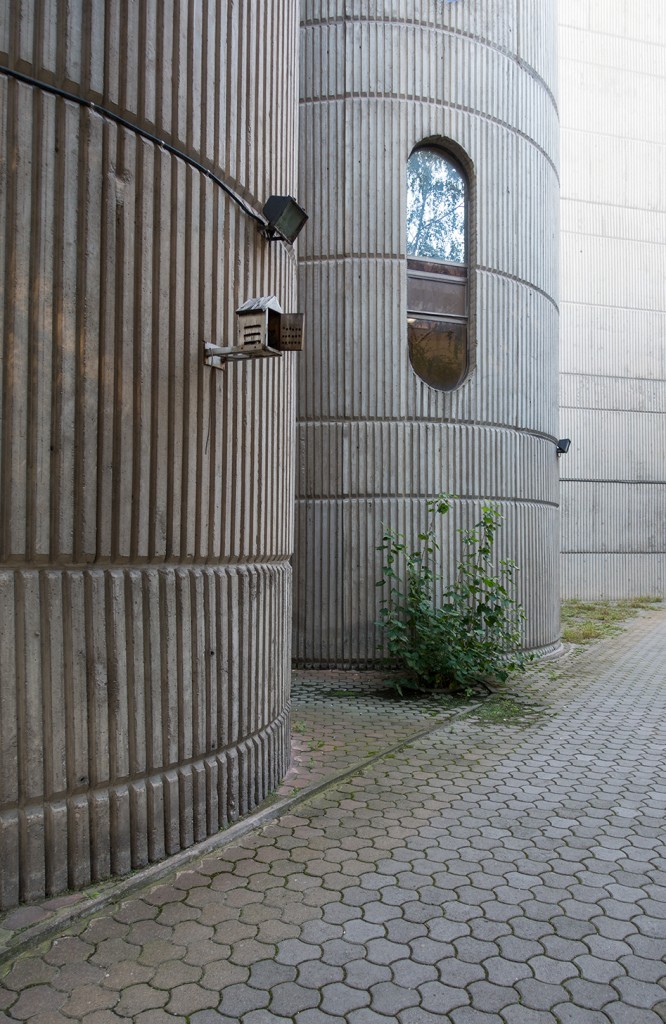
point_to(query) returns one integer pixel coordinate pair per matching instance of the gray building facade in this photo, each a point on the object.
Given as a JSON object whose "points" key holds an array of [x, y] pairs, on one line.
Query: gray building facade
{"points": [[148, 501], [613, 352]]}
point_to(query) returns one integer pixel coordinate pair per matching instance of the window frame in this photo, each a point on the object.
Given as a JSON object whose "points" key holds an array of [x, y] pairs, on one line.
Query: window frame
{"points": [[448, 273]]}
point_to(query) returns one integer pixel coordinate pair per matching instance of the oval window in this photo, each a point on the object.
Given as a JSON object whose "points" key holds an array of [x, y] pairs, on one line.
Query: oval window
{"points": [[437, 271]]}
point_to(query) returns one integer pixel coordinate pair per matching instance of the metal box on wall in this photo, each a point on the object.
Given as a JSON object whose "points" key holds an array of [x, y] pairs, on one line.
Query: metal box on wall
{"points": [[263, 329], [290, 338], [258, 325]]}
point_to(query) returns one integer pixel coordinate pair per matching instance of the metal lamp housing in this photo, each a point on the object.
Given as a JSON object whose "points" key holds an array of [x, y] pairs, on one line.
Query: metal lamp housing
{"points": [[285, 218]]}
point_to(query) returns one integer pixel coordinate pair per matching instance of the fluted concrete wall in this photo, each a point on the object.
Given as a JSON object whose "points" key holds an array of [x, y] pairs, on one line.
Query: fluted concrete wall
{"points": [[613, 95], [373, 440], [147, 500]]}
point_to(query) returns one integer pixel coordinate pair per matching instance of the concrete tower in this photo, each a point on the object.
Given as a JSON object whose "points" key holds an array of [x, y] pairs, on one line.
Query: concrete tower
{"points": [[147, 499], [473, 81]]}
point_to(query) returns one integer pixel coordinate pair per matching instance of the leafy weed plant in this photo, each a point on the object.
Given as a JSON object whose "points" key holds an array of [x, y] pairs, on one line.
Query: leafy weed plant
{"points": [[471, 638]]}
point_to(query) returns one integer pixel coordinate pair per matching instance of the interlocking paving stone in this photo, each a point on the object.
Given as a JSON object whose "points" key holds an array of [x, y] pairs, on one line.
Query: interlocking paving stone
{"points": [[340, 999], [151, 1017], [240, 999], [68, 949], [513, 874], [137, 998], [289, 998], [569, 1013], [307, 1017], [492, 998], [173, 973], [314, 974], [29, 971], [524, 1015], [35, 1000], [389, 998]]}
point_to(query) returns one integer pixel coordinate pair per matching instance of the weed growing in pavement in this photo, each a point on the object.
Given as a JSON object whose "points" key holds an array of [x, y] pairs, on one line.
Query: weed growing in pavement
{"points": [[469, 638], [583, 622], [503, 709]]}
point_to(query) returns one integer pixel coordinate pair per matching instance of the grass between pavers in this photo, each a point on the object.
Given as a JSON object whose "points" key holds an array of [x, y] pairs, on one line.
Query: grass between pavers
{"points": [[505, 709], [520, 700], [526, 696], [583, 622]]}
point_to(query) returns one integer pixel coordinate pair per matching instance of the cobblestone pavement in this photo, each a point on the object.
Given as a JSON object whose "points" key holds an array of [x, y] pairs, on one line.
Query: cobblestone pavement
{"points": [[342, 718], [507, 872], [339, 720]]}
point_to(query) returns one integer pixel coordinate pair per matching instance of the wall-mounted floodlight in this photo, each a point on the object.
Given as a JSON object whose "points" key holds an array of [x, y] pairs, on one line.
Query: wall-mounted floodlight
{"points": [[285, 218], [563, 446]]}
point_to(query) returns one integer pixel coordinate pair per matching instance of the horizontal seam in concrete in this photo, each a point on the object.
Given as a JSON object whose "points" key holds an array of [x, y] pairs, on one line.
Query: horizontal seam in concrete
{"points": [[634, 72], [367, 420], [401, 258], [603, 480], [611, 376], [596, 31], [588, 304], [609, 236], [604, 207], [611, 408], [638, 71], [633, 139], [445, 30], [625, 553], [37, 566], [440, 105], [393, 496], [127, 781]]}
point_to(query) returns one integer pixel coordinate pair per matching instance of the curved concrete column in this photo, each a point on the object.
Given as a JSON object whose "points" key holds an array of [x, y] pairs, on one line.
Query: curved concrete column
{"points": [[374, 440], [147, 499]]}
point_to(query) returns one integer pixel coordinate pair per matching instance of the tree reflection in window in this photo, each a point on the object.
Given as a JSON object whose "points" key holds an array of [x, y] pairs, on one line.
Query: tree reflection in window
{"points": [[436, 207], [437, 276]]}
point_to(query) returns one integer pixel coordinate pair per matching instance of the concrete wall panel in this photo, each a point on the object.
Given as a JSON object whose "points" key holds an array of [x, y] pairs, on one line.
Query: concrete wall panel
{"points": [[587, 346], [616, 445], [590, 576], [613, 361], [612, 518]]}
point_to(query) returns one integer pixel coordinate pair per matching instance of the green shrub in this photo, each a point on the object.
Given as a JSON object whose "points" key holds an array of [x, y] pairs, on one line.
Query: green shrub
{"points": [[469, 638]]}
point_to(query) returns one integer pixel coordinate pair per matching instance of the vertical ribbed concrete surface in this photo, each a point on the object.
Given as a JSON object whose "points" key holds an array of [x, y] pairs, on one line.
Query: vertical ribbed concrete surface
{"points": [[147, 500], [613, 388], [373, 440]]}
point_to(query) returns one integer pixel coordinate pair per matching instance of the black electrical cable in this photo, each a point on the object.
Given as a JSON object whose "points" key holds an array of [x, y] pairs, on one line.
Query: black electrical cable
{"points": [[124, 123]]}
